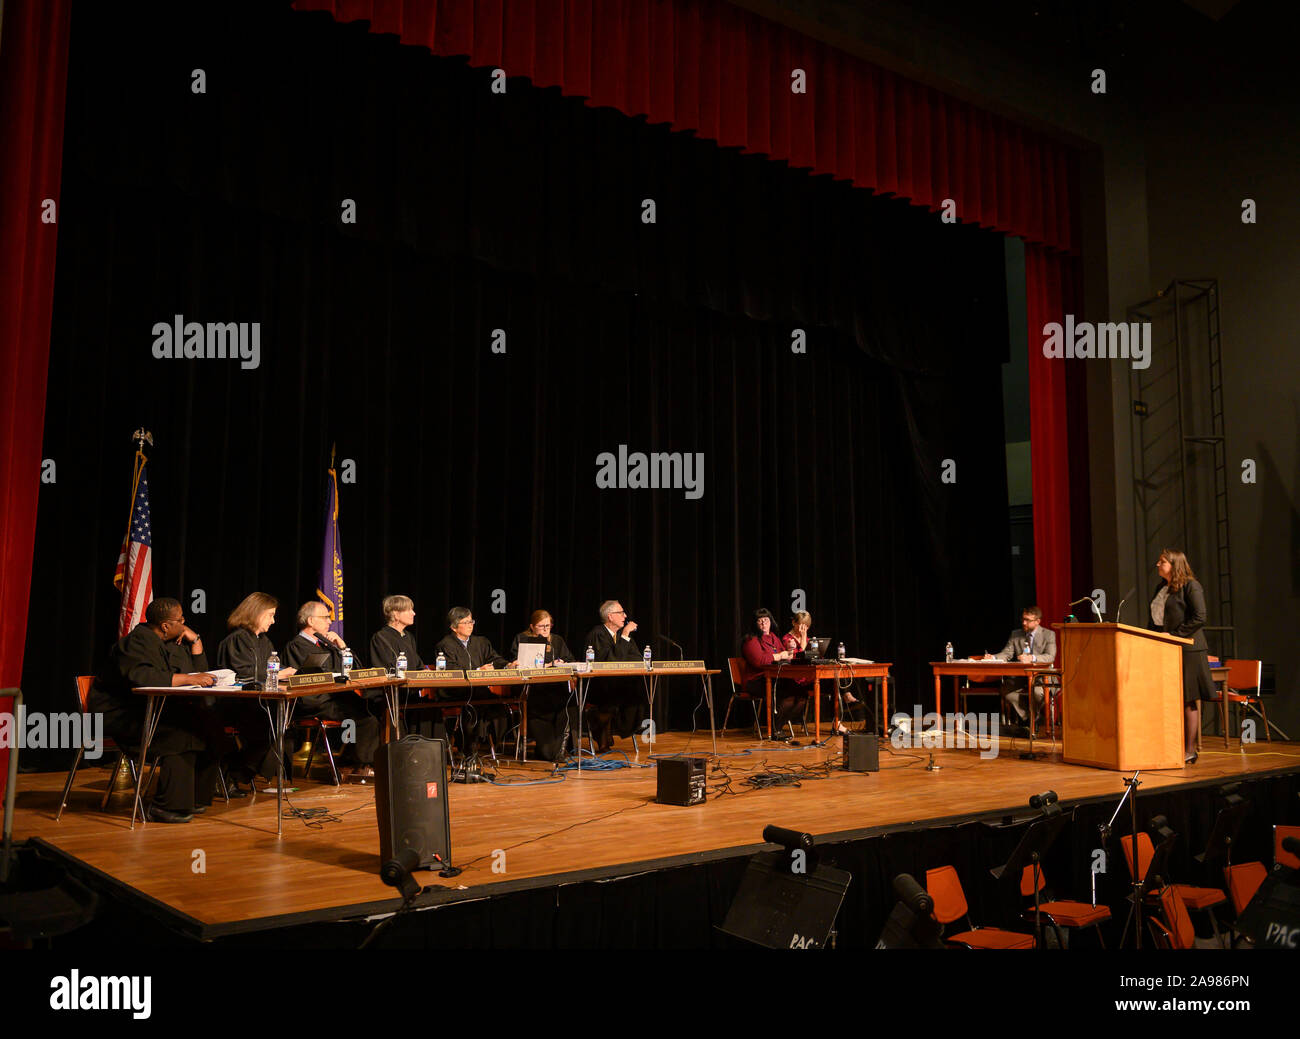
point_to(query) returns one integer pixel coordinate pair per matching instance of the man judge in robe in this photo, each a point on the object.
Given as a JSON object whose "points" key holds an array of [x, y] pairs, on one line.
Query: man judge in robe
{"points": [[189, 739], [315, 649], [619, 704]]}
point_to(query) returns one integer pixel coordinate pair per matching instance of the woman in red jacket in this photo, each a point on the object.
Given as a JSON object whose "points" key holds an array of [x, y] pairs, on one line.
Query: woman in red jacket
{"points": [[763, 648]]}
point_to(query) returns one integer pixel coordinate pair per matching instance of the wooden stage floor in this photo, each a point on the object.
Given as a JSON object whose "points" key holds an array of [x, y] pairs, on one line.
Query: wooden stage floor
{"points": [[508, 838]]}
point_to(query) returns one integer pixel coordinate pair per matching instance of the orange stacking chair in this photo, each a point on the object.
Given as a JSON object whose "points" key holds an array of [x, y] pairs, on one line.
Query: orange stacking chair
{"points": [[1074, 916], [1176, 932], [944, 887], [1202, 899], [1280, 855]]}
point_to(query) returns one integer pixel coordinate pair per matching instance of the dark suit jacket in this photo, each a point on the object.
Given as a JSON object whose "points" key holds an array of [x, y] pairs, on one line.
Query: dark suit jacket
{"points": [[1184, 615], [609, 648], [480, 653]]}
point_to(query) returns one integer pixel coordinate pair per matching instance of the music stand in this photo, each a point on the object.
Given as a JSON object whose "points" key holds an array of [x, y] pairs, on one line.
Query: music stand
{"points": [[778, 909], [1272, 919], [1032, 847], [1227, 824]]}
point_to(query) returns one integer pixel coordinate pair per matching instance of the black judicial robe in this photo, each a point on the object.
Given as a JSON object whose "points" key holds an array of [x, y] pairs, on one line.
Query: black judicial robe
{"points": [[387, 642], [245, 654], [608, 647], [479, 652], [549, 706], [624, 696], [309, 657], [557, 647], [142, 658]]}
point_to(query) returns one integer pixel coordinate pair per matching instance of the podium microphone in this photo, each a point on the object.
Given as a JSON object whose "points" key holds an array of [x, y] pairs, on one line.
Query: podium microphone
{"points": [[1120, 607], [1091, 602]]}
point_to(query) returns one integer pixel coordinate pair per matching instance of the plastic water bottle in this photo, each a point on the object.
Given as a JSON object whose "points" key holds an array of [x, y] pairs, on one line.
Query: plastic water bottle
{"points": [[591, 657], [539, 660], [840, 652], [401, 665], [947, 652], [814, 648], [646, 657], [441, 665], [273, 672], [347, 660]]}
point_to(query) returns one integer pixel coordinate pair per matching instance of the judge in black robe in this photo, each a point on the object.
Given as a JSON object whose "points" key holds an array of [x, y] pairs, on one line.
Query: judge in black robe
{"points": [[245, 651], [189, 738], [551, 707], [396, 637], [466, 651], [620, 702], [315, 650]]}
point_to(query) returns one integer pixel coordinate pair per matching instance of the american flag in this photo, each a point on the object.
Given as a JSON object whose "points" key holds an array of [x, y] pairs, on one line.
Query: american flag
{"points": [[134, 573]]}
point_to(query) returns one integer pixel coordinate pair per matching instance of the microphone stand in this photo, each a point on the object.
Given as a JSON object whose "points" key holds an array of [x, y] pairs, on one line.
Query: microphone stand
{"points": [[1135, 910]]}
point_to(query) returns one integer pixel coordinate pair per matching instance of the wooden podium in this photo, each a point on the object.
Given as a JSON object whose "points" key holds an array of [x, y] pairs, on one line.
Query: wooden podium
{"points": [[1121, 696]]}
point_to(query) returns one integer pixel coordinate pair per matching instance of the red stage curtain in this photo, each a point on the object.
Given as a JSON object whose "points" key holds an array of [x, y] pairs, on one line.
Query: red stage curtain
{"points": [[1058, 450], [725, 73], [33, 80]]}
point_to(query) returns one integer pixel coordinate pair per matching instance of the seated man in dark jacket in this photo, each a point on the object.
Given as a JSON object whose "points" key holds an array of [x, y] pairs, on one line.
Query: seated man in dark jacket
{"points": [[189, 739], [619, 703]]}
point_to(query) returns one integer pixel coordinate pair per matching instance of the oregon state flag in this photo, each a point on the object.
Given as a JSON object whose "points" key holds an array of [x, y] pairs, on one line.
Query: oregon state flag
{"points": [[329, 588]]}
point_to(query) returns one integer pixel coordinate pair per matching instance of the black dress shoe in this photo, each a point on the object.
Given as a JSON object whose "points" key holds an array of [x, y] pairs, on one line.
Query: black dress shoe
{"points": [[200, 809], [1191, 758], [158, 814]]}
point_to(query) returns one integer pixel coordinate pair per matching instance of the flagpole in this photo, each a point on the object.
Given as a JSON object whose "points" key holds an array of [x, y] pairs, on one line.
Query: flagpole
{"points": [[141, 437]]}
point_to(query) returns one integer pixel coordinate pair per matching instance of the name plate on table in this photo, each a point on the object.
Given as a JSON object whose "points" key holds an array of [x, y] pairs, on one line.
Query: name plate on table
{"points": [[494, 676], [678, 665], [434, 677], [298, 681], [617, 665], [361, 674], [539, 672]]}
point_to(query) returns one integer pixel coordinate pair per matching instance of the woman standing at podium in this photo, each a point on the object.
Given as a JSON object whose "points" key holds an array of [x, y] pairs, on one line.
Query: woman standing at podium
{"points": [[1178, 608]]}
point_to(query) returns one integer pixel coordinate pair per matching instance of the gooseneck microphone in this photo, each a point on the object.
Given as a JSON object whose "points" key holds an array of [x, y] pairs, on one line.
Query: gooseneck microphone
{"points": [[675, 646], [1091, 602], [1126, 598]]}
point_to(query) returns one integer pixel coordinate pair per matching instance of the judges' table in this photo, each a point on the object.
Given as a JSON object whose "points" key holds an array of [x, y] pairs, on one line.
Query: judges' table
{"points": [[817, 672], [283, 699], [478, 686], [651, 678]]}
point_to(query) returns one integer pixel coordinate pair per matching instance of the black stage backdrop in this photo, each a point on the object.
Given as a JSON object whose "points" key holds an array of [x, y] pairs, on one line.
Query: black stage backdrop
{"points": [[475, 471]]}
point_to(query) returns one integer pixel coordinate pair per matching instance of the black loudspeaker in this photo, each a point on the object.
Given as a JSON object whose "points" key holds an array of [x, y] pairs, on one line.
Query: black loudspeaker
{"points": [[861, 752], [411, 800], [682, 781]]}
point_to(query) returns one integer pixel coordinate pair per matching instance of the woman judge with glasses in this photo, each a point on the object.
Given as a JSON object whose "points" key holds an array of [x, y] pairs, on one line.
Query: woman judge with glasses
{"points": [[547, 715]]}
